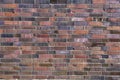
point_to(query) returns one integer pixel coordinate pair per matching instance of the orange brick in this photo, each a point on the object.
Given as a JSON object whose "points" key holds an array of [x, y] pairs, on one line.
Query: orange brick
{"points": [[60, 15], [46, 56], [26, 47], [59, 56], [26, 23], [92, 23], [77, 32], [115, 48], [1, 31], [41, 68], [78, 10], [113, 52], [88, 19], [43, 35], [96, 36], [113, 28], [100, 1], [11, 55], [42, 39], [81, 6], [79, 66], [52, 19], [28, 52], [11, 5], [33, 10], [9, 22], [98, 10], [45, 23], [71, 6], [10, 14]]}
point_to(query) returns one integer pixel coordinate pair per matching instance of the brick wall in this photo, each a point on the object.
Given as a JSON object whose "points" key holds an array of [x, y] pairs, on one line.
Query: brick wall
{"points": [[60, 39]]}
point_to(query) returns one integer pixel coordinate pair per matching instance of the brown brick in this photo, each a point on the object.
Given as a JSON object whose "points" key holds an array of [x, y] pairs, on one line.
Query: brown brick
{"points": [[80, 56], [59, 56], [41, 77], [6, 77]]}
